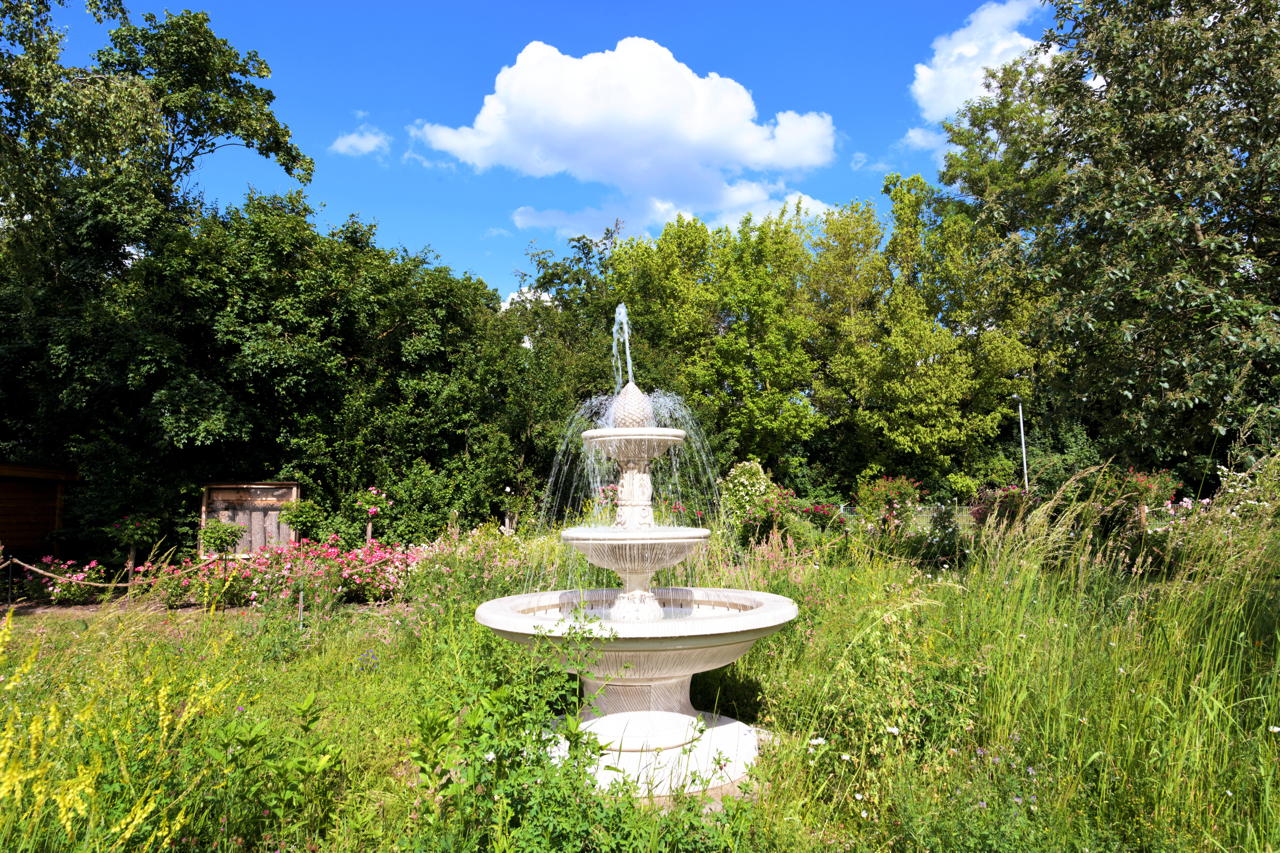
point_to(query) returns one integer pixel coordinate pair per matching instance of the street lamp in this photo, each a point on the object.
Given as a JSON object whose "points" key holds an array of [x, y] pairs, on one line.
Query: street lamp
{"points": [[1022, 433]]}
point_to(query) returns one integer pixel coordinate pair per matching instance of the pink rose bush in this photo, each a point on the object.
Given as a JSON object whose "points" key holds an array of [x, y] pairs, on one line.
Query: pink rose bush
{"points": [[71, 590], [456, 569], [321, 573]]}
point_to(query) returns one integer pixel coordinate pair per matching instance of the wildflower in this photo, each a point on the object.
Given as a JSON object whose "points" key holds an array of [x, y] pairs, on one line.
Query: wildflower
{"points": [[844, 756], [817, 741], [893, 730], [864, 812], [857, 796], [1273, 729]]}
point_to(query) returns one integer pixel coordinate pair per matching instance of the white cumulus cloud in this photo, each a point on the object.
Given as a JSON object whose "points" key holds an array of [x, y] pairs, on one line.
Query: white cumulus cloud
{"points": [[366, 139], [955, 74], [639, 121], [957, 71]]}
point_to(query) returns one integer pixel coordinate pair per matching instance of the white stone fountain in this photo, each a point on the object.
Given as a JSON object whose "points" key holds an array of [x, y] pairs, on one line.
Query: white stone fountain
{"points": [[649, 642]]}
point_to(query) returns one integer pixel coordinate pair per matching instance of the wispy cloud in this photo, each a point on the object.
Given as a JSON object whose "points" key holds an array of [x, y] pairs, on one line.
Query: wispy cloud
{"points": [[364, 140], [412, 156], [860, 162], [640, 122]]}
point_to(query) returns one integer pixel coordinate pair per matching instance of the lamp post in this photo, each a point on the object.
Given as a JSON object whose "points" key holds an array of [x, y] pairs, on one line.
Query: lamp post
{"points": [[1022, 434]]}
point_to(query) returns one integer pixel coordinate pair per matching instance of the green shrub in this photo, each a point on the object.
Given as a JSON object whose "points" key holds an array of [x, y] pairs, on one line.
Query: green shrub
{"points": [[886, 503], [308, 519], [1001, 506], [219, 537], [743, 492]]}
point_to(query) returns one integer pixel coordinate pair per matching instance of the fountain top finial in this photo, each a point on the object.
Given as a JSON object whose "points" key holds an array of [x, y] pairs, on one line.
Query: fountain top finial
{"points": [[631, 408]]}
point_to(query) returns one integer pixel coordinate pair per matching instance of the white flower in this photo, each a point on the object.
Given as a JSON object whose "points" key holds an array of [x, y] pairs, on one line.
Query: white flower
{"points": [[844, 756], [864, 812], [1274, 729], [817, 741], [893, 730], [857, 796]]}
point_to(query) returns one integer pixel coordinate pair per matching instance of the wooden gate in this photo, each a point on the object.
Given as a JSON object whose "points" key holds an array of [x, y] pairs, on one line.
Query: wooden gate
{"points": [[255, 506]]}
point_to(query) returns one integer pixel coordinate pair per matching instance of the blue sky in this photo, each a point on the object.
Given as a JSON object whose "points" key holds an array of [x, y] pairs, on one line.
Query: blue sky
{"points": [[477, 129]]}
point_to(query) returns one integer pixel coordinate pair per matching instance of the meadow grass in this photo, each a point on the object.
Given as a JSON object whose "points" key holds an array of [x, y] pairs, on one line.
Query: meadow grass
{"points": [[1036, 689]]}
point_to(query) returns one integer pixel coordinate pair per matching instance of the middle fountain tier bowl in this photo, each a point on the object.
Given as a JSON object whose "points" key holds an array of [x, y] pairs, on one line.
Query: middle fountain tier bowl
{"points": [[634, 554], [640, 676], [635, 546]]}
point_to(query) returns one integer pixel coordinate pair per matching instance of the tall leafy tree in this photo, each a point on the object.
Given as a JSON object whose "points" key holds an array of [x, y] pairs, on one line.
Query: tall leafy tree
{"points": [[1138, 157], [92, 169], [923, 340], [726, 308]]}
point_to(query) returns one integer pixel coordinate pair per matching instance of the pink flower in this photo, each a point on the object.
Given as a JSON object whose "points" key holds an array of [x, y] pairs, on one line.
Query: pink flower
{"points": [[373, 510]]}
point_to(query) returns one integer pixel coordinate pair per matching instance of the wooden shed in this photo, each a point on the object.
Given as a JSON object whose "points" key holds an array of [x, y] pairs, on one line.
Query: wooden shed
{"points": [[31, 508], [255, 506]]}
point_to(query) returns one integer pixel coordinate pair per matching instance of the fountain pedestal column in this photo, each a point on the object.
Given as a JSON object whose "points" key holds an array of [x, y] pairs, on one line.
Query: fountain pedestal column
{"points": [[620, 694]]}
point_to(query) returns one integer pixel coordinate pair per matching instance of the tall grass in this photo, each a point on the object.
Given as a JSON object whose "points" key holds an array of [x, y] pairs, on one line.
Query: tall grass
{"points": [[1039, 688], [1049, 695]]}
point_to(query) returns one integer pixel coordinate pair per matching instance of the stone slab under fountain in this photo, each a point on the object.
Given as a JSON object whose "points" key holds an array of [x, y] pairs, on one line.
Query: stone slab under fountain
{"points": [[649, 642]]}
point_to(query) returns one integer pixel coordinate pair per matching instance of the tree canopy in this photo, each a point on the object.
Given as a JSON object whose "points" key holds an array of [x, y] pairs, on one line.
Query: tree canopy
{"points": [[1106, 251], [1135, 158]]}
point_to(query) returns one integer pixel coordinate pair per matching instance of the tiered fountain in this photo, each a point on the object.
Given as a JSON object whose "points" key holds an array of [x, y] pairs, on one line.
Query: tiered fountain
{"points": [[649, 642]]}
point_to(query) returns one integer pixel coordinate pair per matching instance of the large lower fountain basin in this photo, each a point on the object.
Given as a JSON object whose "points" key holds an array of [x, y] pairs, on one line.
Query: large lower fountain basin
{"points": [[644, 666], [639, 682]]}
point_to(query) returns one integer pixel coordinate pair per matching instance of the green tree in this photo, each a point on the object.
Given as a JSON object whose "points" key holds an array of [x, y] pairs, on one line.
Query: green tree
{"points": [[725, 311], [1137, 157], [922, 340], [275, 351]]}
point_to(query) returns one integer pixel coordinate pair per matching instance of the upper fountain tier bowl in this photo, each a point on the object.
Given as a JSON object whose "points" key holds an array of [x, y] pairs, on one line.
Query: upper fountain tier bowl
{"points": [[633, 442]]}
